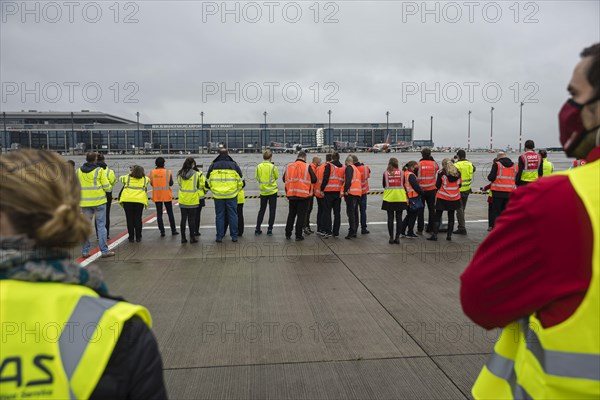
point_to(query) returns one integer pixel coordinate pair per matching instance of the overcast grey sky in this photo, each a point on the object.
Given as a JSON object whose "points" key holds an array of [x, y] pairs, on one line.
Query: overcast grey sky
{"points": [[169, 60]]}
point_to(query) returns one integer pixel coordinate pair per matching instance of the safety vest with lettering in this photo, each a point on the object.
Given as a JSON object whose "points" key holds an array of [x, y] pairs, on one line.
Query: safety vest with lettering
{"points": [[94, 186], [159, 179], [134, 190], [505, 178], [578, 163], [466, 174], [355, 188], [336, 179], [224, 183], [266, 176], [57, 338], [548, 167], [449, 191], [531, 161], [561, 361], [411, 193], [297, 180], [320, 172], [190, 190], [365, 174], [427, 174], [393, 188]]}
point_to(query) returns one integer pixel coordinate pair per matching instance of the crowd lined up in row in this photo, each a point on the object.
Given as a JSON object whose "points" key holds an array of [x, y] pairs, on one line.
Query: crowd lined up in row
{"points": [[414, 187]]}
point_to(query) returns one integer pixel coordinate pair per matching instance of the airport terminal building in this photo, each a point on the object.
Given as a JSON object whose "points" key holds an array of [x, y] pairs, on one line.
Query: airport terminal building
{"points": [[90, 130]]}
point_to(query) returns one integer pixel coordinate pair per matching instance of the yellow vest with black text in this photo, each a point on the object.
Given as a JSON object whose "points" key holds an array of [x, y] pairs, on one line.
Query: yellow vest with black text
{"points": [[134, 190], [466, 173], [266, 176], [393, 189], [94, 186], [548, 167], [224, 183], [57, 338], [190, 190], [561, 361]]}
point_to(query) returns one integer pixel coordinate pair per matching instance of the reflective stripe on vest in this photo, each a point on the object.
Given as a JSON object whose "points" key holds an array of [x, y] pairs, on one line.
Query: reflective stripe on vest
{"points": [[560, 361], [224, 183], [450, 190], [189, 193], [95, 194], [393, 189], [410, 192], [531, 161], [365, 174], [505, 178], [427, 174], [466, 174], [133, 193], [355, 188], [159, 179], [336, 179], [297, 180], [267, 187], [548, 167]]}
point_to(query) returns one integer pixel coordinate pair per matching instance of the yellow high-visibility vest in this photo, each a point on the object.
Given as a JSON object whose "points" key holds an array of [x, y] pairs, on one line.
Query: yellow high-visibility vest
{"points": [[57, 338], [224, 183], [134, 190], [94, 186], [190, 190], [561, 361], [548, 167], [394, 190], [466, 173], [266, 176]]}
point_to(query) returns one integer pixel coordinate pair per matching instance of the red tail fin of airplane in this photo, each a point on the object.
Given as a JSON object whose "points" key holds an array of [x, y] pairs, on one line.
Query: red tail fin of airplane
{"points": [[387, 140]]}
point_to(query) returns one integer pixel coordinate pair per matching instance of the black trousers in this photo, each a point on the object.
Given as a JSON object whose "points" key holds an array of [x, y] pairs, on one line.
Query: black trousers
{"points": [[159, 216], [438, 221], [333, 202], [133, 215], [498, 205], [352, 213], [296, 213], [309, 209], [108, 204], [240, 217], [197, 219], [390, 222], [429, 200], [271, 201], [320, 214], [188, 217], [408, 223]]}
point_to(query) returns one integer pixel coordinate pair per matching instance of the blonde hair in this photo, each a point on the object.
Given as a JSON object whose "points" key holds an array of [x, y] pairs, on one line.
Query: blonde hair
{"points": [[449, 167], [39, 194]]}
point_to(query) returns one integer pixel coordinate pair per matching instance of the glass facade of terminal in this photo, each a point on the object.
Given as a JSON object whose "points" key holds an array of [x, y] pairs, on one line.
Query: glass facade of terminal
{"points": [[127, 137]]}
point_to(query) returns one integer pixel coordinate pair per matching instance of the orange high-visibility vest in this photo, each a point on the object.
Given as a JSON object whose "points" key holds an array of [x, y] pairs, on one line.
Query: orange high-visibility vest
{"points": [[365, 174], [427, 174], [450, 190], [297, 180], [410, 192], [355, 188], [159, 179], [505, 178], [320, 172], [336, 179]]}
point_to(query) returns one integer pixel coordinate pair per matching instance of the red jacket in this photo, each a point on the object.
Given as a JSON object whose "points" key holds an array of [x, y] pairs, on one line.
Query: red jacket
{"points": [[538, 258]]}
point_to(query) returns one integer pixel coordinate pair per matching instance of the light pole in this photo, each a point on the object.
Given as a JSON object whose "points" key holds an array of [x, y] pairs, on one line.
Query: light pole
{"points": [[431, 130], [202, 131], [72, 129], [329, 129], [387, 122], [469, 133], [137, 114], [521, 125], [492, 128], [4, 122], [261, 139]]}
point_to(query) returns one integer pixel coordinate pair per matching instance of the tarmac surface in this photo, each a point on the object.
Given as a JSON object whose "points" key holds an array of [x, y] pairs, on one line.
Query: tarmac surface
{"points": [[318, 319]]}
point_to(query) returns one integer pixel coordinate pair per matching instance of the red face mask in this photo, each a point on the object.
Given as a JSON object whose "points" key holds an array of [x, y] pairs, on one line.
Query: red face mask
{"points": [[571, 125]]}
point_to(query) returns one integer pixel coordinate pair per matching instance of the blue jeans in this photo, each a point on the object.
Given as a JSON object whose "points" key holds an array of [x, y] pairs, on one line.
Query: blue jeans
{"points": [[363, 211], [231, 205], [100, 213]]}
